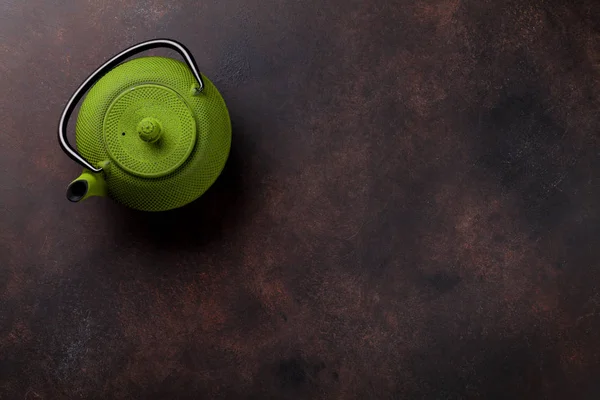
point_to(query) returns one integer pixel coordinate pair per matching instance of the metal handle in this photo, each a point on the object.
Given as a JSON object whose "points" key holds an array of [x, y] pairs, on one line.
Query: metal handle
{"points": [[107, 66]]}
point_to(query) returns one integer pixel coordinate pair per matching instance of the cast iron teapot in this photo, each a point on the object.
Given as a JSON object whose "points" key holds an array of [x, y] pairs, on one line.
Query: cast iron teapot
{"points": [[152, 133]]}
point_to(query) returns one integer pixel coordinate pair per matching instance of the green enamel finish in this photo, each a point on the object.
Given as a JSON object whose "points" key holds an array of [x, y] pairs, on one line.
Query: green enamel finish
{"points": [[176, 140], [149, 131]]}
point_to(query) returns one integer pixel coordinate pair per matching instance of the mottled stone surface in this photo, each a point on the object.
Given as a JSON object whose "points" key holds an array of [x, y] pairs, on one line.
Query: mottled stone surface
{"points": [[410, 209]]}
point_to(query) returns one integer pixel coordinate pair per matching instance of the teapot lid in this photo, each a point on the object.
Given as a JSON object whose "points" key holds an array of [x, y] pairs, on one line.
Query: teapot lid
{"points": [[149, 130]]}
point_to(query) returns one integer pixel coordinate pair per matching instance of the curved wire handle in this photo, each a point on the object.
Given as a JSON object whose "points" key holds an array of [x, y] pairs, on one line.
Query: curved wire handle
{"points": [[107, 66]]}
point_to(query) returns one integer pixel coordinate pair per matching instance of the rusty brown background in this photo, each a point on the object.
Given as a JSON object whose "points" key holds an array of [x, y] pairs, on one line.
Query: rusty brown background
{"points": [[410, 210]]}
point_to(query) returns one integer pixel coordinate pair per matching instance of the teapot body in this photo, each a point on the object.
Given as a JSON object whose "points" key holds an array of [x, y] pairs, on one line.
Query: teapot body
{"points": [[152, 133], [138, 179]]}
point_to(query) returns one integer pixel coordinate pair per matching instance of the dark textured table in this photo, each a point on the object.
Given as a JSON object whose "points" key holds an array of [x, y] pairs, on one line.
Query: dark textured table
{"points": [[410, 210]]}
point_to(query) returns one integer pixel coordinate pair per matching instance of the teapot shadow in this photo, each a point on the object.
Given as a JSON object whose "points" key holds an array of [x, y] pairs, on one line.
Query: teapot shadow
{"points": [[196, 224]]}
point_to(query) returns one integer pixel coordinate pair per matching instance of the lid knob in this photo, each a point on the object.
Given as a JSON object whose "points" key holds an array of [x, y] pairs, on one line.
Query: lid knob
{"points": [[149, 130]]}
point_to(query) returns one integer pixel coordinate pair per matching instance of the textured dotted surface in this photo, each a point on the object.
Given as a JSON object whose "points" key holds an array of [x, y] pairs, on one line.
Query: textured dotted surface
{"points": [[174, 119], [207, 157]]}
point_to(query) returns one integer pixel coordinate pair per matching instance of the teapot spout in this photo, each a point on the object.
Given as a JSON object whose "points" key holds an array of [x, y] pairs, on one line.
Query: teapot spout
{"points": [[88, 184]]}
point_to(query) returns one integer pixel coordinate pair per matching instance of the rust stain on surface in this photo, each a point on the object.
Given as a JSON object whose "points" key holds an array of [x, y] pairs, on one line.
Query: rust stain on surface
{"points": [[409, 210]]}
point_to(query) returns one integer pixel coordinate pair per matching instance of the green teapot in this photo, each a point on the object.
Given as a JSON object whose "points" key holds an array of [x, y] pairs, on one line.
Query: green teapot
{"points": [[152, 132]]}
